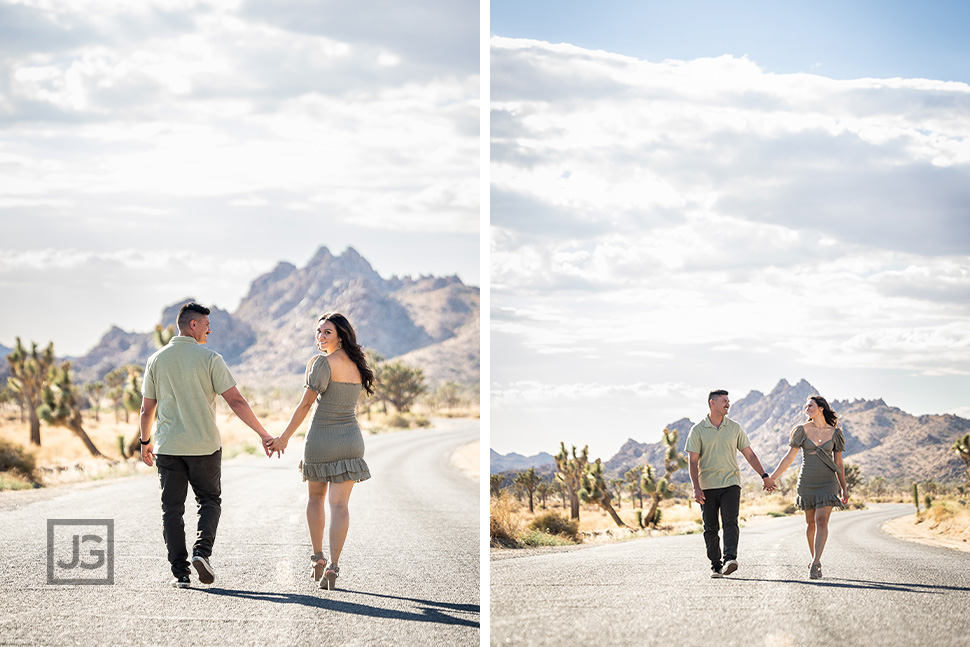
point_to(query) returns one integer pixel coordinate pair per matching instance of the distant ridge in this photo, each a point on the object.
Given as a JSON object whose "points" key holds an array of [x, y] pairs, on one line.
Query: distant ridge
{"points": [[882, 440], [517, 462], [430, 321]]}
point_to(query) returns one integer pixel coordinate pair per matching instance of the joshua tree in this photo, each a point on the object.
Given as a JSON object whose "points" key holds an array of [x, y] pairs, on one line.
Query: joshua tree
{"points": [[131, 397], [29, 374], [60, 407], [119, 391], [95, 391], [162, 336], [657, 490], [616, 489], [632, 479], [115, 381], [569, 472], [527, 482], [962, 447], [543, 491], [596, 490], [401, 384], [495, 482], [853, 476], [662, 489]]}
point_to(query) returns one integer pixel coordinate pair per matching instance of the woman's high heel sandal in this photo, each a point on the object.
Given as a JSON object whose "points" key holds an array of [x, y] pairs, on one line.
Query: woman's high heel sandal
{"points": [[329, 580], [318, 564], [816, 572]]}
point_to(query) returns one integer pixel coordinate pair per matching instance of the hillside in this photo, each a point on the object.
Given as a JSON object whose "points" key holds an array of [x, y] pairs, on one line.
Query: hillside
{"points": [[432, 322], [880, 439], [518, 463]]}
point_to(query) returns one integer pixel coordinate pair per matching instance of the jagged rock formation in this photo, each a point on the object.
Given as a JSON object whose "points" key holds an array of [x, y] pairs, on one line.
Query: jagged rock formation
{"points": [[513, 462], [432, 322], [882, 440], [4, 367]]}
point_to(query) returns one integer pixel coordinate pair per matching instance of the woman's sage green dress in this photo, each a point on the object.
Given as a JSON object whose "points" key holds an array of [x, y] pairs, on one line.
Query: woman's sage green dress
{"points": [[334, 447], [818, 485]]}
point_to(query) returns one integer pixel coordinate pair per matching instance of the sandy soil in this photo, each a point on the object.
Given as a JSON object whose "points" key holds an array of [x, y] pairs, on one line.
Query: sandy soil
{"points": [[924, 533], [467, 459]]}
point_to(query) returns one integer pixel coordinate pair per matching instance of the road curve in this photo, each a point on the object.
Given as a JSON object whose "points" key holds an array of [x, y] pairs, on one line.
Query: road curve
{"points": [[877, 591], [410, 568]]}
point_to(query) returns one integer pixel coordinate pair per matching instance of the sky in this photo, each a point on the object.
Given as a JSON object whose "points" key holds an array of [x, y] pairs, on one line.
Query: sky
{"points": [[723, 195], [157, 150]]}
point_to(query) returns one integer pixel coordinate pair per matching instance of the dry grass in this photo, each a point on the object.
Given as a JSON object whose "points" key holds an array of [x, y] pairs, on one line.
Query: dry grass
{"points": [[946, 523], [678, 516]]}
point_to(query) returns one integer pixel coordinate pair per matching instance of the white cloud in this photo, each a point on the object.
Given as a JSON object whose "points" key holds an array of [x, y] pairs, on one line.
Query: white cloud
{"points": [[705, 222]]}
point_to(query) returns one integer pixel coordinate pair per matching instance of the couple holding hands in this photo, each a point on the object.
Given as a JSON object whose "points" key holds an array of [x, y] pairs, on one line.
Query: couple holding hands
{"points": [[712, 447], [181, 382]]}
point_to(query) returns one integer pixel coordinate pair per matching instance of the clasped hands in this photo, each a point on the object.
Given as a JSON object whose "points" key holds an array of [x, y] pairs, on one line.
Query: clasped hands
{"points": [[277, 444], [769, 484]]}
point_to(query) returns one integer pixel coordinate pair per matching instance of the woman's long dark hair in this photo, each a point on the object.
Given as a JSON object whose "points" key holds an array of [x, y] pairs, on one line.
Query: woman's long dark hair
{"points": [[348, 340], [831, 418]]}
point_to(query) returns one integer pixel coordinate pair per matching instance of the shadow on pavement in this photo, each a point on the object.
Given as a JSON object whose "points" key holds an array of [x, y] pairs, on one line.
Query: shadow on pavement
{"points": [[429, 611], [937, 589]]}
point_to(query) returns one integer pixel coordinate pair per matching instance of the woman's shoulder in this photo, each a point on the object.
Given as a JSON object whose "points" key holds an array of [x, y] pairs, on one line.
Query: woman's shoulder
{"points": [[316, 360]]}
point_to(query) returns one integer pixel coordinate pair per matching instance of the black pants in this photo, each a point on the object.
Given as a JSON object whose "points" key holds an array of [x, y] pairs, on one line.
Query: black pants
{"points": [[204, 474], [726, 501]]}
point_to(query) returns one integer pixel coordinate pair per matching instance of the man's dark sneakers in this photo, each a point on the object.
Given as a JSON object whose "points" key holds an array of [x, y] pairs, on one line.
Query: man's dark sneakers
{"points": [[202, 567], [729, 567], [181, 581]]}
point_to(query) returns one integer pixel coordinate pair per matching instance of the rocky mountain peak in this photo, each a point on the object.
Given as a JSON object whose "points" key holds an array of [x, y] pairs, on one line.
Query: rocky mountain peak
{"points": [[270, 334], [880, 439]]}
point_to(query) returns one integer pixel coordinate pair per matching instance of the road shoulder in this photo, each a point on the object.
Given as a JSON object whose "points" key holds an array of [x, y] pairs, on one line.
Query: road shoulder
{"points": [[906, 528]]}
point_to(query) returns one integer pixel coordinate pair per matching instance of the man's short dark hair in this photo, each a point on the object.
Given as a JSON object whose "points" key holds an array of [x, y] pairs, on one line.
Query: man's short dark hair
{"points": [[716, 394], [190, 311]]}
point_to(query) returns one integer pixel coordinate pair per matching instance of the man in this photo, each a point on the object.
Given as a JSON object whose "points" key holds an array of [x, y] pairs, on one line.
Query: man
{"points": [[712, 448], [181, 382]]}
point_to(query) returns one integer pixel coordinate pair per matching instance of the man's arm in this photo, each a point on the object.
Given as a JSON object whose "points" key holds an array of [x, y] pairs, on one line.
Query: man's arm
{"points": [[752, 458], [145, 420], [241, 408], [693, 468]]}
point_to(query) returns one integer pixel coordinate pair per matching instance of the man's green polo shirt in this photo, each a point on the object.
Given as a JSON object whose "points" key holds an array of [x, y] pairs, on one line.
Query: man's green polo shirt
{"points": [[718, 449], [185, 378]]}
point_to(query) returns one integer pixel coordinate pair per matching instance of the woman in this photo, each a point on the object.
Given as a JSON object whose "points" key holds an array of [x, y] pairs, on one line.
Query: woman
{"points": [[333, 453], [821, 482]]}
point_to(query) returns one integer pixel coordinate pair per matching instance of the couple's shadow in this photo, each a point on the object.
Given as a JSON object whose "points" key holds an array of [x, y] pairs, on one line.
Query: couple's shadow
{"points": [[446, 613], [902, 587]]}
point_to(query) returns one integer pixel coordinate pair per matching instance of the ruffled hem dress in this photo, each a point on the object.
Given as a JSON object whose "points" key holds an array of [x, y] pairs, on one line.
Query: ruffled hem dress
{"points": [[818, 483], [334, 446]]}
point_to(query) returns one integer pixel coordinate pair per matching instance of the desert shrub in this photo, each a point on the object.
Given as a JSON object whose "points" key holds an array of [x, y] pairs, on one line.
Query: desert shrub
{"points": [[940, 513], [420, 421], [553, 523], [14, 481], [533, 537], [242, 448], [791, 508], [398, 421], [15, 458], [504, 523]]}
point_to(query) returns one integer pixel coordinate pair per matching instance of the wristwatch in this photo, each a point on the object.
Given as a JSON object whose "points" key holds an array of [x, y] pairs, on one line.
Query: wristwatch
{"points": [[765, 475], [145, 442]]}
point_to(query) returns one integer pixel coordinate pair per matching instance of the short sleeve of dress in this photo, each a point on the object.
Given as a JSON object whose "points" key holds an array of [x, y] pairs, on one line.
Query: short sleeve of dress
{"points": [[318, 374], [797, 438], [839, 445]]}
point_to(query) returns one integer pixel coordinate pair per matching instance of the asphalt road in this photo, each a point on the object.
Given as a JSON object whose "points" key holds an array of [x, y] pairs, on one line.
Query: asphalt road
{"points": [[409, 571], [878, 591]]}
